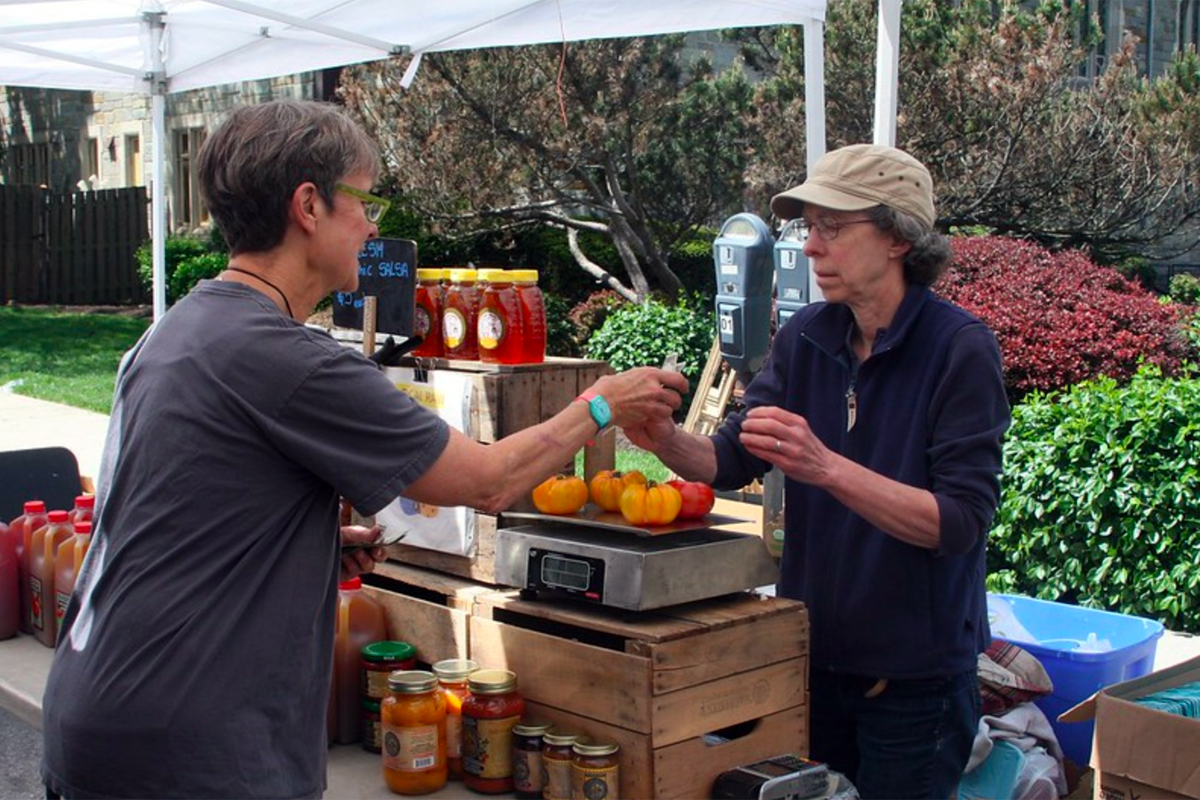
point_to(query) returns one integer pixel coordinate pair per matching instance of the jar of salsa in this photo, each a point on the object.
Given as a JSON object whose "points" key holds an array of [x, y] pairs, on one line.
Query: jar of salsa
{"points": [[460, 316], [489, 714], [413, 719], [381, 659], [533, 316], [527, 758], [595, 774], [557, 757], [372, 729], [452, 674], [427, 314], [499, 324]]}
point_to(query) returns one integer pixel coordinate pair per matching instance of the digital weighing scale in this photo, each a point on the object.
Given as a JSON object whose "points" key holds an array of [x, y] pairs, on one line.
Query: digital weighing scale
{"points": [[602, 560]]}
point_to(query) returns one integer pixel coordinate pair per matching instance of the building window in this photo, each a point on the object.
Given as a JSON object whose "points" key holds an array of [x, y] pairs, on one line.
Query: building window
{"points": [[189, 209], [28, 164], [133, 160], [91, 162]]}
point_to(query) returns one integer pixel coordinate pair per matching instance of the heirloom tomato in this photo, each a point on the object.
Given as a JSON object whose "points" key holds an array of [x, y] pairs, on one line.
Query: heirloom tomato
{"points": [[562, 494], [607, 485], [650, 503], [697, 497]]}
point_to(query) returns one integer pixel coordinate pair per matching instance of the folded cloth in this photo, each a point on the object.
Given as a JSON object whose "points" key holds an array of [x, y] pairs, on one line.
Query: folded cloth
{"points": [[1027, 728], [1182, 700], [1010, 675]]}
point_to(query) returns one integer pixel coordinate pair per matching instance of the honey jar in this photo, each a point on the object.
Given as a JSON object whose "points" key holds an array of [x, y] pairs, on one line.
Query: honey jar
{"points": [[595, 771], [557, 757]]}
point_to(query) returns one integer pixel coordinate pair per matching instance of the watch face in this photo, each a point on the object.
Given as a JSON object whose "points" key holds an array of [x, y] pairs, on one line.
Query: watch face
{"points": [[601, 413]]}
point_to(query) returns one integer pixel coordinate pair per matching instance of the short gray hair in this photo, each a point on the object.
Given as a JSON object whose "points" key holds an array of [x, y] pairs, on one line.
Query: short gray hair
{"points": [[930, 253], [250, 166]]}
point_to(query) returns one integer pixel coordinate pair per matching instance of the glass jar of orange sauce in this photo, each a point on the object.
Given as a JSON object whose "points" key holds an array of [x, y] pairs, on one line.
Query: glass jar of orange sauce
{"points": [[413, 722], [489, 713], [452, 674]]}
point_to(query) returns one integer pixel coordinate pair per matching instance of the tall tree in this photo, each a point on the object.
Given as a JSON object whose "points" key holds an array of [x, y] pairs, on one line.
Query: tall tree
{"points": [[994, 100], [621, 137]]}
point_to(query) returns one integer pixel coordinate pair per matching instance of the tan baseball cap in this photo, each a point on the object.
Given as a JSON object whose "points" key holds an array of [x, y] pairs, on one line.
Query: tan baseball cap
{"points": [[863, 176]]}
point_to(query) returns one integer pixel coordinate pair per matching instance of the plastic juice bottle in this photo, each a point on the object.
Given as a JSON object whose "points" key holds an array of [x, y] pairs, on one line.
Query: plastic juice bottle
{"points": [[533, 316], [85, 505], [21, 530], [10, 586], [43, 551], [66, 568], [427, 316], [459, 316], [360, 621], [500, 329]]}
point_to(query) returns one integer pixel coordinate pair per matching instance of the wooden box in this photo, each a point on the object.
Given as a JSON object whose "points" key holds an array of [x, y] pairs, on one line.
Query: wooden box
{"points": [[687, 692], [429, 610]]}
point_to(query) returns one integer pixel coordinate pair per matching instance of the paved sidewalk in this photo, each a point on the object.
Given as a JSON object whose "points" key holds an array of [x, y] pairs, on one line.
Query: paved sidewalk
{"points": [[27, 423]]}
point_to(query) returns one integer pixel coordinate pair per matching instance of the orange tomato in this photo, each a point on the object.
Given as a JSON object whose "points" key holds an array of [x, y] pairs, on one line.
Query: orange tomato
{"points": [[650, 504], [607, 485], [561, 494]]}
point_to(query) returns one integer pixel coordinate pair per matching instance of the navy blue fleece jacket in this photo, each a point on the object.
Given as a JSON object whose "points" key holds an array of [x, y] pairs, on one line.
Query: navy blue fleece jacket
{"points": [[931, 413]]}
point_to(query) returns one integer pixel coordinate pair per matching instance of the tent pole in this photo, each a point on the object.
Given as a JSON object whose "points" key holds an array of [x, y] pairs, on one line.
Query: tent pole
{"points": [[887, 66], [158, 212], [814, 110]]}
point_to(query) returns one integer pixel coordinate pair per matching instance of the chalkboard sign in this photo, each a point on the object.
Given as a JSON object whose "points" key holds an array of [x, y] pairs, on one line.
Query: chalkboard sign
{"points": [[387, 269]]}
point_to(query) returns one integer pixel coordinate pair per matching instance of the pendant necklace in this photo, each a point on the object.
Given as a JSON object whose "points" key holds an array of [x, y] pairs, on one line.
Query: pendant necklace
{"points": [[232, 268]]}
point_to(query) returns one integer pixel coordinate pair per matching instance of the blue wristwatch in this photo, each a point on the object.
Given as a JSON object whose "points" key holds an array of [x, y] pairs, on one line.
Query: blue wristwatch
{"points": [[598, 407]]}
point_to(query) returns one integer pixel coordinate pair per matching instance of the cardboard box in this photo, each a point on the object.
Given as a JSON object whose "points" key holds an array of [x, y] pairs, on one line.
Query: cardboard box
{"points": [[1138, 751]]}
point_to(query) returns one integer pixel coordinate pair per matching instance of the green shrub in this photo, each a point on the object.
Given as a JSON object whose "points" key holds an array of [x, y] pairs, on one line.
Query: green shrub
{"points": [[177, 251], [1184, 288], [560, 332], [193, 270], [588, 315], [636, 335], [1101, 499]]}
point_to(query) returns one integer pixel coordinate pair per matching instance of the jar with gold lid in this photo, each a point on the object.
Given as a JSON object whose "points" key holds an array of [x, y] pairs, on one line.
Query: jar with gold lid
{"points": [[557, 757], [527, 758], [489, 713], [452, 674], [413, 721], [595, 769]]}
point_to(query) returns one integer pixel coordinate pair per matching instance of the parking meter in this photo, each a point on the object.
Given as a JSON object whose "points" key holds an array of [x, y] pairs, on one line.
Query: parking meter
{"points": [[742, 257], [792, 290]]}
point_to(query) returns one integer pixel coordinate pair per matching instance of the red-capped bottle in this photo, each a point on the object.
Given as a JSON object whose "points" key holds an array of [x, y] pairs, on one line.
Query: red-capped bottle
{"points": [[44, 549], [459, 318], [533, 316], [84, 510], [427, 315], [66, 568], [21, 530], [361, 620], [10, 586], [500, 329]]}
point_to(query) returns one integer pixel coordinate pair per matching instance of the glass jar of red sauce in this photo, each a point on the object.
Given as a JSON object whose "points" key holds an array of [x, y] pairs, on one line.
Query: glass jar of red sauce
{"points": [[452, 674], [427, 315], [460, 316], [499, 323], [489, 714]]}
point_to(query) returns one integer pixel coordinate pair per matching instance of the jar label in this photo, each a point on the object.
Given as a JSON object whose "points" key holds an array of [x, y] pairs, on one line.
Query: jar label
{"points": [[375, 683], [410, 749], [491, 329], [453, 735], [35, 603], [527, 770], [421, 320], [589, 783], [557, 778], [454, 328], [487, 746]]}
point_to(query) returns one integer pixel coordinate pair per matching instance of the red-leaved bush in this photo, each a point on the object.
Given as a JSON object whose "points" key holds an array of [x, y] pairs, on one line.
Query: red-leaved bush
{"points": [[1060, 317]]}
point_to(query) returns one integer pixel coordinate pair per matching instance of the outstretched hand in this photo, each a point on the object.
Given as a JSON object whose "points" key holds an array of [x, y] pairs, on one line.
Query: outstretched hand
{"points": [[642, 395]]}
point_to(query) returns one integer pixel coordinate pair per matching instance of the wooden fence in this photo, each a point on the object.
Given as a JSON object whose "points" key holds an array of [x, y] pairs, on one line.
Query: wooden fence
{"points": [[72, 248]]}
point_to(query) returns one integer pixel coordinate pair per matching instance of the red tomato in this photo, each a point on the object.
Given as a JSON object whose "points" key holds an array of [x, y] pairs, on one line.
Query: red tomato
{"points": [[698, 498]]}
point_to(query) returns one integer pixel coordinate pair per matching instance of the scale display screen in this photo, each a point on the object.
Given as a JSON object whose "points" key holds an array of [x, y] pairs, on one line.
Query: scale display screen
{"points": [[578, 575]]}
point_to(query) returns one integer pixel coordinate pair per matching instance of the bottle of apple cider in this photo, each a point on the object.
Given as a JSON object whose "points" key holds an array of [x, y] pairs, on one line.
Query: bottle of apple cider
{"points": [[10, 586], [85, 505], [21, 530], [43, 551], [360, 621], [66, 568]]}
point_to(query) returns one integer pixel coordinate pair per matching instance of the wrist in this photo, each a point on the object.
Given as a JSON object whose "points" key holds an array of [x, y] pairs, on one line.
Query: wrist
{"points": [[598, 408]]}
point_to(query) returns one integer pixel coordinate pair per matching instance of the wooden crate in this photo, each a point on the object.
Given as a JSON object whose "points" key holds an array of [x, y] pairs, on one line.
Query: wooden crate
{"points": [[429, 610], [688, 692]]}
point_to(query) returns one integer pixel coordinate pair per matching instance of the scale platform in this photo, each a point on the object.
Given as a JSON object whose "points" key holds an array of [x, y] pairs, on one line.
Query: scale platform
{"points": [[622, 569]]}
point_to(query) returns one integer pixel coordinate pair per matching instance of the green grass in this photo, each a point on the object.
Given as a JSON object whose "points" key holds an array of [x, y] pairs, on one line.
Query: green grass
{"points": [[65, 357], [628, 460]]}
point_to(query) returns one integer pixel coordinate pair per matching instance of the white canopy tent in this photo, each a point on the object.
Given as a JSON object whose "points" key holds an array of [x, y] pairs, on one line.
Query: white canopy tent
{"points": [[155, 47]]}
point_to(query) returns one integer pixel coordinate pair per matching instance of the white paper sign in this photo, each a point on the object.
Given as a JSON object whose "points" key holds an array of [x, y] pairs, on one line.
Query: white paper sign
{"points": [[449, 530]]}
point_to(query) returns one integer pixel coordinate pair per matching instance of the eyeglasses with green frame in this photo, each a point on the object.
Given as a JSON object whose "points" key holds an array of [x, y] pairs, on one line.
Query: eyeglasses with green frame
{"points": [[373, 205]]}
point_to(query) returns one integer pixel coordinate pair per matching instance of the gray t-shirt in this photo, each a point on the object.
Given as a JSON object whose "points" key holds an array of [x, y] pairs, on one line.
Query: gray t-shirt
{"points": [[196, 654]]}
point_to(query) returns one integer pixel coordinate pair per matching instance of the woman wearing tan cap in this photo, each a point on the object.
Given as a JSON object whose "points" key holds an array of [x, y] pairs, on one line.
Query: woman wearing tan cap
{"points": [[885, 408]]}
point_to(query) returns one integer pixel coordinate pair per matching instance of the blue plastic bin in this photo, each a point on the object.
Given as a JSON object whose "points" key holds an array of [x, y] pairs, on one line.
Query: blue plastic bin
{"points": [[1082, 649]]}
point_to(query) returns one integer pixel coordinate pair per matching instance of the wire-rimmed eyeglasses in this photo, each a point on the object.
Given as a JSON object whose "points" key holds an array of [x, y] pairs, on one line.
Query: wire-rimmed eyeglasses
{"points": [[373, 205], [828, 227]]}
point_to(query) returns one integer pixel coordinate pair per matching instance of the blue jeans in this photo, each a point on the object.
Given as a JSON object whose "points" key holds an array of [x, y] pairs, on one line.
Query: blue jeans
{"points": [[911, 739]]}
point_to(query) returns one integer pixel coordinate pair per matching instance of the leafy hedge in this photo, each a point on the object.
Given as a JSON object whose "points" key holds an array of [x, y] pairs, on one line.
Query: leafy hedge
{"points": [[1060, 318], [1101, 499], [188, 260]]}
